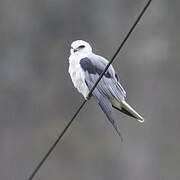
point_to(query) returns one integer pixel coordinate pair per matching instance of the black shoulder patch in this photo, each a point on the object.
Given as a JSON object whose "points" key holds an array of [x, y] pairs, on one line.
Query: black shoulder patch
{"points": [[87, 65]]}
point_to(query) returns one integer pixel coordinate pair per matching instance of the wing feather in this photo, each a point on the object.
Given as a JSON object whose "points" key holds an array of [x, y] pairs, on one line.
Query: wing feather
{"points": [[107, 88], [93, 66]]}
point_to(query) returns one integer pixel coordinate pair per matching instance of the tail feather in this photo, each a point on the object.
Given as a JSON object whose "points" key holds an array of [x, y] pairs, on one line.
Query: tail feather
{"points": [[107, 109], [124, 107], [124, 111]]}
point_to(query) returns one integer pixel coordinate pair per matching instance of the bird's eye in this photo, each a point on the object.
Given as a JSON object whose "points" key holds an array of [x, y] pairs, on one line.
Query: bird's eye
{"points": [[82, 46]]}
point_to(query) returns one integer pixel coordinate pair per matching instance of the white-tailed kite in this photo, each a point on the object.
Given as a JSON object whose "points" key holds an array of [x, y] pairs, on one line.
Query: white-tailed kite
{"points": [[85, 68]]}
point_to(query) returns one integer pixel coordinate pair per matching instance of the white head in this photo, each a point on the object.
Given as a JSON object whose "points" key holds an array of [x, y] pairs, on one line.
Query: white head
{"points": [[80, 46]]}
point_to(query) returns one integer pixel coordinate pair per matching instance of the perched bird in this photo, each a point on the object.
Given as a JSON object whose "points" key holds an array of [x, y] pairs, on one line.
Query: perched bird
{"points": [[85, 68]]}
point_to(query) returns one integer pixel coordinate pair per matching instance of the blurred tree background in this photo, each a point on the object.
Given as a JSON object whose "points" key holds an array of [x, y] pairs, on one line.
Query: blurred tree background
{"points": [[37, 97]]}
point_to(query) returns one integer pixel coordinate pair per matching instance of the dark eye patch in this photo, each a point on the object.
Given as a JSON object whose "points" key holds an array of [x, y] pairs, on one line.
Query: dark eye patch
{"points": [[82, 46]]}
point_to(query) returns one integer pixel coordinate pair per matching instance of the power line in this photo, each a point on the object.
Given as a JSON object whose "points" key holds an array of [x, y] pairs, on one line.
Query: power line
{"points": [[55, 143], [90, 93]]}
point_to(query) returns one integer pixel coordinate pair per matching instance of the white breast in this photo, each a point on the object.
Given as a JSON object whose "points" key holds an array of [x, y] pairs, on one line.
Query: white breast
{"points": [[77, 74]]}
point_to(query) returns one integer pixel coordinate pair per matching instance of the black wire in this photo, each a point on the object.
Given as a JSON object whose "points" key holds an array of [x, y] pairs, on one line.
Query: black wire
{"points": [[55, 143], [90, 93], [120, 47]]}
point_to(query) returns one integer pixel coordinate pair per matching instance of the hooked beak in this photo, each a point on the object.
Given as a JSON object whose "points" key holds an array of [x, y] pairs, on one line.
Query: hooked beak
{"points": [[75, 50]]}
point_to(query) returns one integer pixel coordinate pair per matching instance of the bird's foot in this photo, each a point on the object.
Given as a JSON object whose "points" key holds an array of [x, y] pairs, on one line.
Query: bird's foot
{"points": [[88, 97]]}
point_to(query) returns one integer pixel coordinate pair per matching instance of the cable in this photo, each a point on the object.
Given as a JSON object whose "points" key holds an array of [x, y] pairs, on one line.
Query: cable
{"points": [[55, 143], [121, 45], [90, 93]]}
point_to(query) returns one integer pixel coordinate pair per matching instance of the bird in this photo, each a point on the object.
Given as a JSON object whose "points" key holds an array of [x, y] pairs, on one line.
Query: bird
{"points": [[85, 67]]}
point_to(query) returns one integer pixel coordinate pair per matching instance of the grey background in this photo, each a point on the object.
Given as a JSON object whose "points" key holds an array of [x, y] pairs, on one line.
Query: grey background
{"points": [[37, 98]]}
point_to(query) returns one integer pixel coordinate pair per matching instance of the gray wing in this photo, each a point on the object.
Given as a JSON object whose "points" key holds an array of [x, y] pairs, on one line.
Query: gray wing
{"points": [[107, 88], [93, 66]]}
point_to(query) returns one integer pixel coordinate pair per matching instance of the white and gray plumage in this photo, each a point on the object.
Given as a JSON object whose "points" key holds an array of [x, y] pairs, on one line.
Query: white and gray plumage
{"points": [[85, 68]]}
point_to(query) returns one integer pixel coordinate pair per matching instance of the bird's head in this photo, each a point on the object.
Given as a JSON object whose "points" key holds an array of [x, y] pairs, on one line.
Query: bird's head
{"points": [[80, 46]]}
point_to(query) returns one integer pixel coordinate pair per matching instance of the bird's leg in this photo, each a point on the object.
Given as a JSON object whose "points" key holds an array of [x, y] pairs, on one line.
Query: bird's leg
{"points": [[88, 97]]}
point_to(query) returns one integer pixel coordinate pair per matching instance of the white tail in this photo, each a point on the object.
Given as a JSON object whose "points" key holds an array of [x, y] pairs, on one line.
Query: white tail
{"points": [[124, 107]]}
